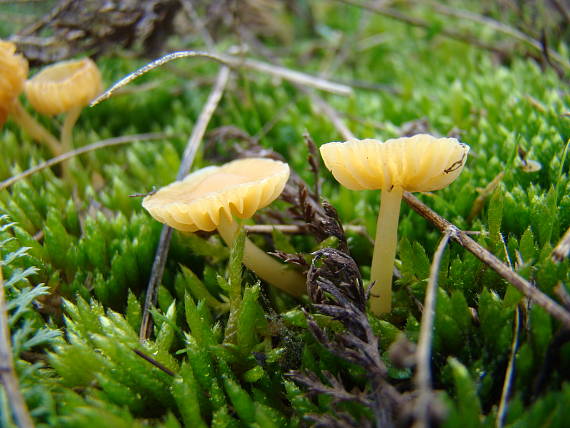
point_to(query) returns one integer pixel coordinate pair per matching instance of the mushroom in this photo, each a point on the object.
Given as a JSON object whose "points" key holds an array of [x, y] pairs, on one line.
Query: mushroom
{"points": [[13, 74], [414, 164], [210, 198], [65, 87]]}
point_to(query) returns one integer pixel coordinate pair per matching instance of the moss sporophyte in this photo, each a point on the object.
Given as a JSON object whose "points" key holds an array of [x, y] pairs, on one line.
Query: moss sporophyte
{"points": [[210, 198], [420, 163]]}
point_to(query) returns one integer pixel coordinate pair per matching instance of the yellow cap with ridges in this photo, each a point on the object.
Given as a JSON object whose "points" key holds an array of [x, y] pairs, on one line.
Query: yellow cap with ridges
{"points": [[63, 86], [416, 164], [13, 73], [203, 198]]}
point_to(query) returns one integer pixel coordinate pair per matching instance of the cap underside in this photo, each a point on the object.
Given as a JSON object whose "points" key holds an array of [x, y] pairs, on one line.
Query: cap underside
{"points": [[205, 197]]}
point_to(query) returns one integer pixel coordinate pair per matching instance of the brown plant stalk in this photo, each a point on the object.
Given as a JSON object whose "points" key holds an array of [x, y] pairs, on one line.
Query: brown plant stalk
{"points": [[423, 404], [521, 284]]}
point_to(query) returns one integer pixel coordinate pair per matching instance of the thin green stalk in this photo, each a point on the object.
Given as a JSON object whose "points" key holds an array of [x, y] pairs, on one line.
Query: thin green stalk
{"points": [[30, 125], [264, 266], [66, 136], [385, 251]]}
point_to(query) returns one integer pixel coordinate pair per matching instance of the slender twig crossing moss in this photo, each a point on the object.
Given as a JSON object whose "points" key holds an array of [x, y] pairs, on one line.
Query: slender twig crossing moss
{"points": [[233, 62], [187, 160], [500, 27], [521, 284], [503, 405], [423, 353], [85, 149], [154, 362], [562, 249]]}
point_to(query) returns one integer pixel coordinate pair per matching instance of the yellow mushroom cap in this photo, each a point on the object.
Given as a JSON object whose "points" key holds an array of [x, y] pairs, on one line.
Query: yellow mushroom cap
{"points": [[205, 197], [64, 85], [13, 73], [416, 164]]}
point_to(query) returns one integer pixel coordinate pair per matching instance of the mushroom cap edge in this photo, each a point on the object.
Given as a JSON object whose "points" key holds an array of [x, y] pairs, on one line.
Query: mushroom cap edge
{"points": [[256, 182], [419, 163]]}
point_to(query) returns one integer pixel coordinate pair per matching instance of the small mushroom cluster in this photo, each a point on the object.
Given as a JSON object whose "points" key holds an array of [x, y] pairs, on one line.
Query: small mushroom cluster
{"points": [[62, 88], [213, 197]]}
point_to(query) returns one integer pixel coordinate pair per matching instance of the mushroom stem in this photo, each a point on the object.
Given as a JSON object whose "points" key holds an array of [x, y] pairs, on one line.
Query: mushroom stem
{"points": [[262, 264], [385, 251], [67, 129], [30, 125], [66, 136]]}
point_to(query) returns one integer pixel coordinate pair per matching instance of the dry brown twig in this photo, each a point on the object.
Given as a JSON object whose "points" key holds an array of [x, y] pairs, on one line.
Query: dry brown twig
{"points": [[417, 22], [424, 406], [503, 404], [234, 62], [562, 249], [154, 362], [187, 159], [521, 284], [7, 370], [116, 141], [562, 295], [297, 229], [484, 194]]}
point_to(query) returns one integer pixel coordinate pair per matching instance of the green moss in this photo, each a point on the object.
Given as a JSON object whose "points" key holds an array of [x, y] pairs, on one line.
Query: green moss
{"points": [[78, 259]]}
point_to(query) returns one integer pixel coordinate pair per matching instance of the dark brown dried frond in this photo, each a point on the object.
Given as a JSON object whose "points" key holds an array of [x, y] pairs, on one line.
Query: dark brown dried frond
{"points": [[296, 259], [260, 17], [321, 218], [79, 26], [343, 277], [334, 389], [335, 287], [314, 164], [339, 420], [402, 352]]}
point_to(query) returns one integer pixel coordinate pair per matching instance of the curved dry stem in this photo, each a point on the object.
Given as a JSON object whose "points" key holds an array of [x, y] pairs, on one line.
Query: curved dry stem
{"points": [[423, 354], [385, 251], [232, 61], [30, 125], [262, 264], [85, 149]]}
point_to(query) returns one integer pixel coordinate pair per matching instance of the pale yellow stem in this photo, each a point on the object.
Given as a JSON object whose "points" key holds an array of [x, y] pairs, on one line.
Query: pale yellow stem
{"points": [[66, 136], [262, 264], [385, 251], [34, 128]]}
